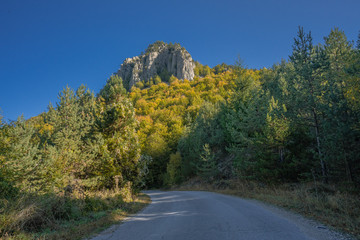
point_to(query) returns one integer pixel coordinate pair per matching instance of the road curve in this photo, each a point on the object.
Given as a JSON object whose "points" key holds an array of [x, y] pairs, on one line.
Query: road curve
{"points": [[205, 215]]}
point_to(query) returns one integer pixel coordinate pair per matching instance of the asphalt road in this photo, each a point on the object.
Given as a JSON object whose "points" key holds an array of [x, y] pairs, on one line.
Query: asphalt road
{"points": [[205, 215]]}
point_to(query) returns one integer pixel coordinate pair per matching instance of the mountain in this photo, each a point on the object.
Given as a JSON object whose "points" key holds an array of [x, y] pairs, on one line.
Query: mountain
{"points": [[160, 59]]}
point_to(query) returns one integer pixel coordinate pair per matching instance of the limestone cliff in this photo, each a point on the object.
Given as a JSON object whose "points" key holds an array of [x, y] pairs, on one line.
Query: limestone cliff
{"points": [[159, 57]]}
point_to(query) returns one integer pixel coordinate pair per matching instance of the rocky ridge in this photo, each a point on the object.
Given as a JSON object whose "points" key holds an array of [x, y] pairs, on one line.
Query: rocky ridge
{"points": [[160, 59]]}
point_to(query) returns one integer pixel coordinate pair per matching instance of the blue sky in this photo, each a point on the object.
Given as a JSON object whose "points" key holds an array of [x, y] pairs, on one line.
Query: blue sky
{"points": [[48, 44]]}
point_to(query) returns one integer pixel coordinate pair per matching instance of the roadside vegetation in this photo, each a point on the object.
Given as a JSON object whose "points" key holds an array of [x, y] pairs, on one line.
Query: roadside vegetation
{"points": [[55, 216]]}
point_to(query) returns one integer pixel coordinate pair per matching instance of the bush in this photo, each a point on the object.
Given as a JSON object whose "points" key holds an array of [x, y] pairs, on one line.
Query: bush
{"points": [[30, 213], [95, 205], [7, 190]]}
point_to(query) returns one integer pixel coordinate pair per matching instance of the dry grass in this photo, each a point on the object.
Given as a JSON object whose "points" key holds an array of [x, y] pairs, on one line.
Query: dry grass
{"points": [[58, 217], [325, 203], [97, 225]]}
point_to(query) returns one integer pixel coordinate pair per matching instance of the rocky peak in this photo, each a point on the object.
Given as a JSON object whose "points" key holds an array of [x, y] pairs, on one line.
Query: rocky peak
{"points": [[160, 59]]}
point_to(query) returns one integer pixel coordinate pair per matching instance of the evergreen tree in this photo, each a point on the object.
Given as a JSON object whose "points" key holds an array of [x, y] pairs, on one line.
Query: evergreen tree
{"points": [[65, 141], [119, 154], [207, 167], [66, 145], [7, 188], [244, 119], [305, 90], [340, 121], [207, 129], [23, 164]]}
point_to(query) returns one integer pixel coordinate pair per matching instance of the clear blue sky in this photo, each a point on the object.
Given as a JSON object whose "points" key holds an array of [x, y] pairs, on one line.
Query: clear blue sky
{"points": [[47, 44]]}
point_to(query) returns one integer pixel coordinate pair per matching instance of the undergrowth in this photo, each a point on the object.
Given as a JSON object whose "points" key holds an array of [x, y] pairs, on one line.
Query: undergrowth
{"points": [[331, 205], [56, 216]]}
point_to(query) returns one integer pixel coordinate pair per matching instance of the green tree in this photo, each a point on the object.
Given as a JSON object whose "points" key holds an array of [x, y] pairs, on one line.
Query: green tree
{"points": [[71, 121], [7, 189], [340, 126], [207, 168], [206, 129], [305, 90], [23, 164], [173, 169], [119, 154], [244, 119]]}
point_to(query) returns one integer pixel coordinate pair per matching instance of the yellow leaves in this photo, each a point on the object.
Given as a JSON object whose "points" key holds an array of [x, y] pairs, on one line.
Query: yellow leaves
{"points": [[144, 119], [174, 83], [141, 107], [221, 84], [162, 108], [46, 128]]}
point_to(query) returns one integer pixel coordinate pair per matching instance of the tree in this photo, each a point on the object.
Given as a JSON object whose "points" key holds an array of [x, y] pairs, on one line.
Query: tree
{"points": [[67, 147], [23, 164], [277, 128], [305, 89], [207, 168], [206, 129], [3, 143], [339, 127], [119, 154], [157, 79], [173, 169]]}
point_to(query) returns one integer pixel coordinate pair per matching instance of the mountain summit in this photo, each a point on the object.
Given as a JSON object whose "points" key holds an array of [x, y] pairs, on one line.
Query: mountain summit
{"points": [[160, 59]]}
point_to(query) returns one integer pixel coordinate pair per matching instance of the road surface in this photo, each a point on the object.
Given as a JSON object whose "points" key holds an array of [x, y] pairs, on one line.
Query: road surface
{"points": [[205, 215]]}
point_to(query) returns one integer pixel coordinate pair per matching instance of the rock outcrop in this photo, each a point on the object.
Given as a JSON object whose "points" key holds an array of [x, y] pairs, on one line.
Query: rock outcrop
{"points": [[160, 59]]}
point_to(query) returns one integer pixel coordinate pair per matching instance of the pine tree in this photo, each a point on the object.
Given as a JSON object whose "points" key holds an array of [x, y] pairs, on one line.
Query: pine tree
{"points": [[66, 138], [207, 167], [67, 147], [277, 128], [340, 119], [3, 143], [244, 119], [7, 186], [23, 164], [118, 156], [305, 90]]}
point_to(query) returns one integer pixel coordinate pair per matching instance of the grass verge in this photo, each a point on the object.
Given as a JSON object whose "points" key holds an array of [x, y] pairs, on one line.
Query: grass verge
{"points": [[324, 203], [56, 217]]}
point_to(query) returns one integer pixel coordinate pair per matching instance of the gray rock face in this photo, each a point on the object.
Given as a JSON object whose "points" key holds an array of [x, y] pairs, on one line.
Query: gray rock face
{"points": [[158, 59]]}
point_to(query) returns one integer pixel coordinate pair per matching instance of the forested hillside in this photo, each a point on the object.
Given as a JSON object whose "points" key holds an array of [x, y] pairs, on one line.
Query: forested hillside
{"points": [[294, 122], [297, 121]]}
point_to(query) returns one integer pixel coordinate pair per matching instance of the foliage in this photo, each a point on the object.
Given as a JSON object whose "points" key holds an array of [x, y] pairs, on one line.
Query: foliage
{"points": [[54, 216], [165, 110], [297, 121], [293, 122], [173, 170], [207, 168], [116, 125], [82, 143]]}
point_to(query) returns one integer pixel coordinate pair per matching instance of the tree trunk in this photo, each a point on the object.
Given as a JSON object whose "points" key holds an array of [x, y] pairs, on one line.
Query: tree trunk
{"points": [[322, 162]]}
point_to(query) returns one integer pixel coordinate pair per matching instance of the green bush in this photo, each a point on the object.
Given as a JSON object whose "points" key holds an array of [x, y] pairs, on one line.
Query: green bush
{"points": [[7, 190], [95, 205]]}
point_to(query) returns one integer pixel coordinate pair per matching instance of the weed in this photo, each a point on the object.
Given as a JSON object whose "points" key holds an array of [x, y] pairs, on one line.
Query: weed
{"points": [[55, 216]]}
